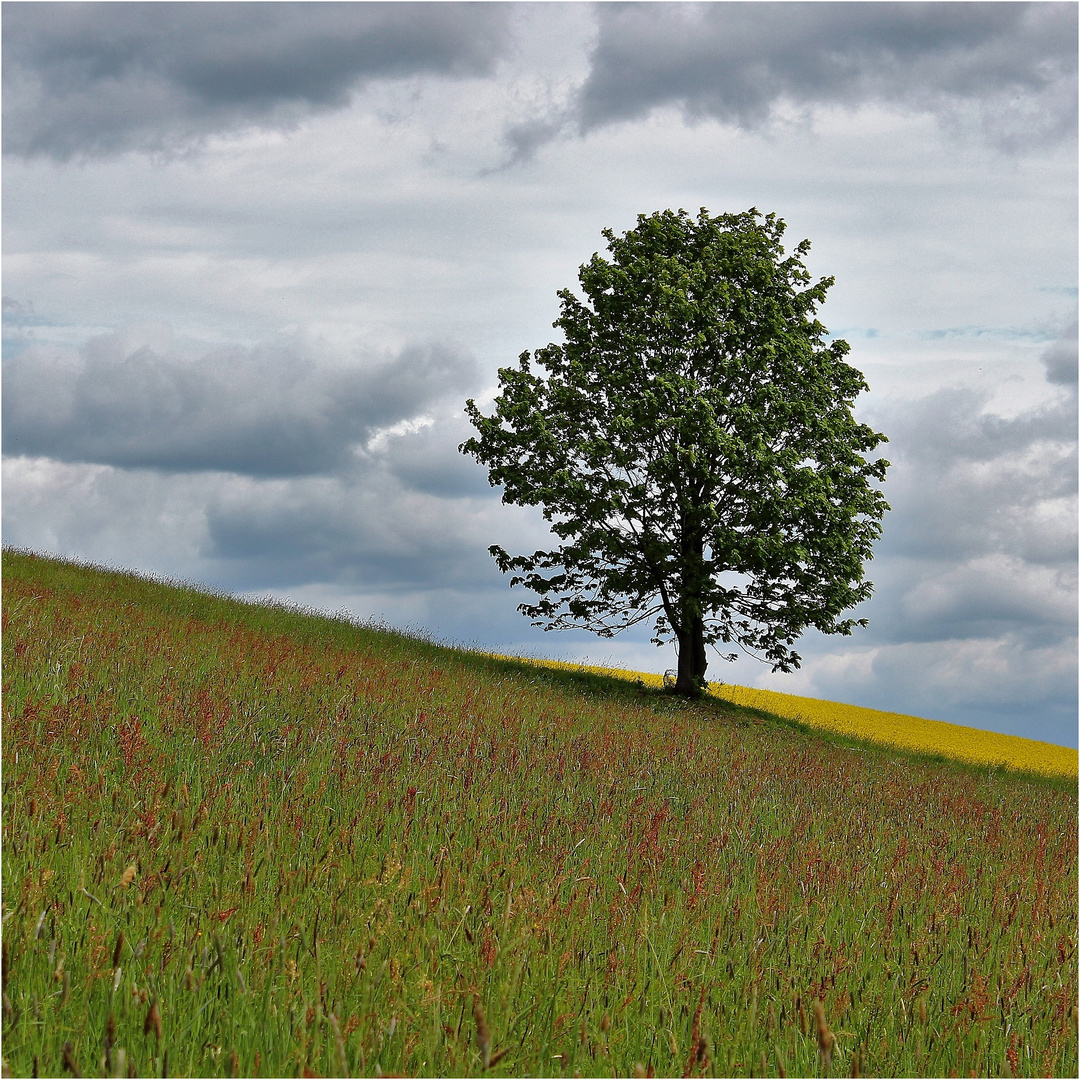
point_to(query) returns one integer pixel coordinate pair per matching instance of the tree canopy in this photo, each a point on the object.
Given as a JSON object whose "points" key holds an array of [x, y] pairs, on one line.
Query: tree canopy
{"points": [[693, 446]]}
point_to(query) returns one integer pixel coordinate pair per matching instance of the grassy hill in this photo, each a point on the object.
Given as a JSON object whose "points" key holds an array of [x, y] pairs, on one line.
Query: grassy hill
{"points": [[928, 739], [241, 840]]}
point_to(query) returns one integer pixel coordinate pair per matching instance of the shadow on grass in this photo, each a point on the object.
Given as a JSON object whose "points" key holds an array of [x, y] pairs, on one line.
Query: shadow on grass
{"points": [[708, 708]]}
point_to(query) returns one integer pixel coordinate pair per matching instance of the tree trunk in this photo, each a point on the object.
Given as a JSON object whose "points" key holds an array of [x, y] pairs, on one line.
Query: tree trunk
{"points": [[692, 659], [690, 632]]}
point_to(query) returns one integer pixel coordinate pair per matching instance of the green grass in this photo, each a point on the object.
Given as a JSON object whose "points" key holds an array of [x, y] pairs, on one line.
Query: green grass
{"points": [[242, 840]]}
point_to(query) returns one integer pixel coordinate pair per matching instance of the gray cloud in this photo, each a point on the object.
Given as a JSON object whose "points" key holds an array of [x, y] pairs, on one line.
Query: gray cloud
{"points": [[413, 513], [427, 460], [1060, 359], [16, 309], [1013, 64], [364, 531], [101, 78], [125, 399], [967, 483], [981, 599], [980, 550]]}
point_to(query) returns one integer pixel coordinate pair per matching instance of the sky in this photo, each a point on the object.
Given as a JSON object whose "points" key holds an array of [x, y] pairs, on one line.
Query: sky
{"points": [[257, 256]]}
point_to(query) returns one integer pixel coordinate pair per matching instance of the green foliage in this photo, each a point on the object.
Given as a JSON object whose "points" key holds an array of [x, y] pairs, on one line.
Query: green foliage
{"points": [[692, 444], [239, 840]]}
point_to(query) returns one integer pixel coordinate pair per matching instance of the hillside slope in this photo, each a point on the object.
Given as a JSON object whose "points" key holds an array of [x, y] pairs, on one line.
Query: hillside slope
{"points": [[894, 730], [242, 840]]}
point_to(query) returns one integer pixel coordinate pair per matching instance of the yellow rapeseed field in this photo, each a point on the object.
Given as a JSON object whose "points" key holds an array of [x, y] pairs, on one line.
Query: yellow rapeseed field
{"points": [[891, 729]]}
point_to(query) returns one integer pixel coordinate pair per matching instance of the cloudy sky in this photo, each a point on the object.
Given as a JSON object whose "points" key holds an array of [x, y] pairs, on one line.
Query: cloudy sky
{"points": [[257, 256]]}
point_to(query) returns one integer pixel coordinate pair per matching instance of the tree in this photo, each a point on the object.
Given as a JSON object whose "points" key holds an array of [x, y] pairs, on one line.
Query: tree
{"points": [[693, 445]]}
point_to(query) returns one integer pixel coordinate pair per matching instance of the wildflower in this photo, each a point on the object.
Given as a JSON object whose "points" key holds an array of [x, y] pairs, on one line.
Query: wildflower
{"points": [[110, 1041], [69, 1060], [152, 1023], [826, 1039]]}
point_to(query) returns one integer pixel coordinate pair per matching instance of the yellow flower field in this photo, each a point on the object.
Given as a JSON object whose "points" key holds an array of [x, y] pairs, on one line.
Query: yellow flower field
{"points": [[891, 729]]}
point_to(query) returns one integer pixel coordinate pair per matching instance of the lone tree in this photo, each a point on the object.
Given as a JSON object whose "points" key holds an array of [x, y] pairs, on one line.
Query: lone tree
{"points": [[693, 445]]}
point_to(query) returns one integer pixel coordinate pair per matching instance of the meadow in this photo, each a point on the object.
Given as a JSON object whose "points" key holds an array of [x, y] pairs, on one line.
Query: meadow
{"points": [[243, 840], [926, 738]]}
